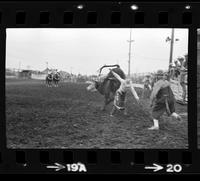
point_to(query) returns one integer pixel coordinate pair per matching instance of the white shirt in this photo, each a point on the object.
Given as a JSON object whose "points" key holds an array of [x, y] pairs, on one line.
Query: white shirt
{"points": [[123, 84]]}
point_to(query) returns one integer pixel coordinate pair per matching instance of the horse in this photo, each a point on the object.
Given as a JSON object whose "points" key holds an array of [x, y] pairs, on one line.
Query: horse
{"points": [[56, 79], [49, 80]]}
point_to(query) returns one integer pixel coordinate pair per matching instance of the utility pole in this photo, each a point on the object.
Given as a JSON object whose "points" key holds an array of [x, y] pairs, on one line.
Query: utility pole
{"points": [[129, 59], [171, 46], [172, 40]]}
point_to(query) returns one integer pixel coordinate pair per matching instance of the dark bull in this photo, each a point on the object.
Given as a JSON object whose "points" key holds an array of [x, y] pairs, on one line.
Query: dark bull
{"points": [[108, 86]]}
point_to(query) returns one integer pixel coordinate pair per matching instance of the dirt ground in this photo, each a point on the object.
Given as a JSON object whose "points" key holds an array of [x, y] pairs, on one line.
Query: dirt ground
{"points": [[69, 116]]}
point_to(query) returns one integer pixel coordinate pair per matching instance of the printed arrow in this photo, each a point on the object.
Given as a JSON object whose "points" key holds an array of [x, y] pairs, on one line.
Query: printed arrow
{"points": [[155, 167], [57, 166]]}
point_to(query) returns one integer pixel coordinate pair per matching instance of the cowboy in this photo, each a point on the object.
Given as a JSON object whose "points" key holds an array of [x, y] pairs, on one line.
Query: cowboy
{"points": [[120, 95], [162, 100], [50, 75]]}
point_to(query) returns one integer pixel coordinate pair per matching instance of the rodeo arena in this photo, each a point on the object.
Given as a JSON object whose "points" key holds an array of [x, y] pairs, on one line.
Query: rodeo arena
{"points": [[57, 109], [95, 99]]}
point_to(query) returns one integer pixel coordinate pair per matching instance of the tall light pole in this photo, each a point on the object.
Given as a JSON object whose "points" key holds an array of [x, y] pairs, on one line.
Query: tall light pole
{"points": [[171, 45], [129, 57]]}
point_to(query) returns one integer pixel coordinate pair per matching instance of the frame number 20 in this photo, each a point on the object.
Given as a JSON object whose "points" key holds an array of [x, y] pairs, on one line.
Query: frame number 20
{"points": [[174, 168]]}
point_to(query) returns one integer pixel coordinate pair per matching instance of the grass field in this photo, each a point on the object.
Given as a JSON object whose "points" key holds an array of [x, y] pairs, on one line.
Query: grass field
{"points": [[70, 117]]}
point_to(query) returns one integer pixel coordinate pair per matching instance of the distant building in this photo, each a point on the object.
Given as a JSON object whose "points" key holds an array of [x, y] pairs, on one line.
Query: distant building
{"points": [[25, 74], [11, 73], [46, 71]]}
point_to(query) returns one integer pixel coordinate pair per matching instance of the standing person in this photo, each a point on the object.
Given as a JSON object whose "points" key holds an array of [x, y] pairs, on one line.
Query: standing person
{"points": [[153, 80], [147, 86], [183, 79], [176, 69], [186, 61], [120, 95], [162, 100], [171, 71]]}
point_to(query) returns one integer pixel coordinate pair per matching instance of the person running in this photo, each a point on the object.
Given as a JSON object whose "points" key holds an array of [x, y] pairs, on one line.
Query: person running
{"points": [[162, 100]]}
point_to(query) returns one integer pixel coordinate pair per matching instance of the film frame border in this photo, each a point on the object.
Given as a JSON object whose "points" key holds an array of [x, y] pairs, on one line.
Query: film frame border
{"points": [[104, 15]]}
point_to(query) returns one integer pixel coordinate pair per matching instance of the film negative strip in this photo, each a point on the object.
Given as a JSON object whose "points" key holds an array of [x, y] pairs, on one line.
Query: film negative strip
{"points": [[99, 87]]}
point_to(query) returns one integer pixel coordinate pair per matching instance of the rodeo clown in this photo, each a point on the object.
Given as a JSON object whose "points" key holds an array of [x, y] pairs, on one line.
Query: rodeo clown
{"points": [[120, 95], [162, 100]]}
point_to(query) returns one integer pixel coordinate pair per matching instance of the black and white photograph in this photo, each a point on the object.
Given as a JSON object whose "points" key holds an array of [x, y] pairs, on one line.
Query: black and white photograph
{"points": [[198, 86], [97, 88]]}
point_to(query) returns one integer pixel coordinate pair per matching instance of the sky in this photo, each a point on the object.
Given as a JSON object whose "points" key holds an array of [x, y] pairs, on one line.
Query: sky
{"points": [[85, 50]]}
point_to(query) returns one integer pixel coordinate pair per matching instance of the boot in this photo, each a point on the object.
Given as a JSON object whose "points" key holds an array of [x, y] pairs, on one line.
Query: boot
{"points": [[155, 126]]}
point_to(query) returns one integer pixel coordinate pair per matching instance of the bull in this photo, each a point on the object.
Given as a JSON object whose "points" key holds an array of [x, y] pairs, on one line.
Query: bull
{"points": [[108, 86]]}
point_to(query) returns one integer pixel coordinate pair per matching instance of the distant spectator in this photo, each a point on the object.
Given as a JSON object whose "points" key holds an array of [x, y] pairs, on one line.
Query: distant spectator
{"points": [[186, 61], [166, 76], [183, 78], [176, 69], [171, 70], [181, 60], [147, 86]]}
